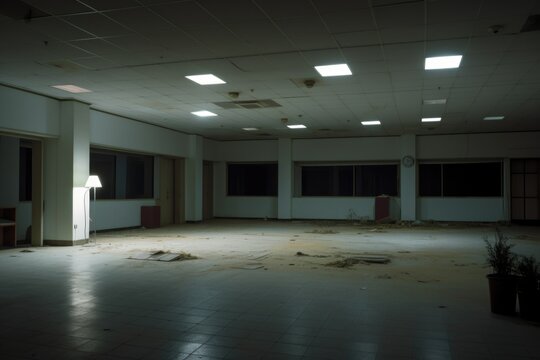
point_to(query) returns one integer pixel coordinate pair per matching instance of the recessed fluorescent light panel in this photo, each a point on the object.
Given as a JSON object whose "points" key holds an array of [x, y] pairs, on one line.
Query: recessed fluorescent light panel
{"points": [[371, 122], [433, 119], [443, 62], [250, 129], [494, 117], [72, 89], [299, 126], [204, 113], [435, 102], [205, 79], [334, 70]]}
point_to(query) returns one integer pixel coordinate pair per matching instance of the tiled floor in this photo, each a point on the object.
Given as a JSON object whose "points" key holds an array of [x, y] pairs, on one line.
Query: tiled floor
{"points": [[92, 302]]}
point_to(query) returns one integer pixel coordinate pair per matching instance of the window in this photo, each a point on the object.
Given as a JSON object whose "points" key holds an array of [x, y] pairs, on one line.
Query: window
{"points": [[139, 177], [252, 179], [375, 180], [430, 179], [104, 166], [461, 179], [349, 180], [327, 181], [25, 173], [123, 175]]}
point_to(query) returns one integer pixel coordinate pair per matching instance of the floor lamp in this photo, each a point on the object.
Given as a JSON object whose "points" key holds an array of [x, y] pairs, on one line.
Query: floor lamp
{"points": [[93, 182]]}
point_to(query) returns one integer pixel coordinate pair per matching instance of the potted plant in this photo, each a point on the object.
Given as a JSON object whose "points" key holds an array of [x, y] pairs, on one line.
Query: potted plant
{"points": [[528, 288], [502, 282]]}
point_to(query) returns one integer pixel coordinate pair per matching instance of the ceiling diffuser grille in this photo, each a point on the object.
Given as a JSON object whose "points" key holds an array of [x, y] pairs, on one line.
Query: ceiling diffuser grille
{"points": [[248, 104]]}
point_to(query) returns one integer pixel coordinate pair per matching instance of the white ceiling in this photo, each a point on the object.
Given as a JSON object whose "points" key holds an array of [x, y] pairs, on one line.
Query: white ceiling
{"points": [[134, 56]]}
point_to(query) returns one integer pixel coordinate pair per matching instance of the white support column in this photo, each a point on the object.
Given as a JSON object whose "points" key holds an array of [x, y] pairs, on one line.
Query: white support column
{"points": [[507, 190], [285, 179], [408, 179], [67, 163], [194, 179]]}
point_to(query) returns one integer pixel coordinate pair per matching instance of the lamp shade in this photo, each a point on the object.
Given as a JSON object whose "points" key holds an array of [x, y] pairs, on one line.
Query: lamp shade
{"points": [[93, 182]]}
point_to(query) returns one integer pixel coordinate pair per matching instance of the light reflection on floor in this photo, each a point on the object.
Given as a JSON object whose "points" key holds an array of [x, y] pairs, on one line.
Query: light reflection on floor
{"points": [[92, 303]]}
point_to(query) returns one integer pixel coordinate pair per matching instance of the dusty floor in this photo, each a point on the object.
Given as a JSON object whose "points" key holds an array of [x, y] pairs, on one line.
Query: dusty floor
{"points": [[250, 295]]}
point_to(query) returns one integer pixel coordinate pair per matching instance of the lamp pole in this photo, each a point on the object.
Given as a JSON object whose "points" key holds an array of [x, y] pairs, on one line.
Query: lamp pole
{"points": [[94, 217], [93, 182]]}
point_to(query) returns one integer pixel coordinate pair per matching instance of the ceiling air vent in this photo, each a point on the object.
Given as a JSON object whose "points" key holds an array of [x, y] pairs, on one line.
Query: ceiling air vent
{"points": [[532, 23], [19, 10], [247, 104]]}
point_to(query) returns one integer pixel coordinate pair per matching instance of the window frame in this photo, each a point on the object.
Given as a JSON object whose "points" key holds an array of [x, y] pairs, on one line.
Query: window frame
{"points": [[227, 194], [122, 195], [297, 193], [459, 162]]}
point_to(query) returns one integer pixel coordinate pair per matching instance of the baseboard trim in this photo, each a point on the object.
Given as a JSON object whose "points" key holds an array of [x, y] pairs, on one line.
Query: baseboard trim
{"points": [[65, 242]]}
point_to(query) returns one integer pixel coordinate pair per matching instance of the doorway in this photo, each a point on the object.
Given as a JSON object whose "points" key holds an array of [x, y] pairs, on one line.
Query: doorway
{"points": [[208, 190], [171, 191], [525, 185], [166, 191]]}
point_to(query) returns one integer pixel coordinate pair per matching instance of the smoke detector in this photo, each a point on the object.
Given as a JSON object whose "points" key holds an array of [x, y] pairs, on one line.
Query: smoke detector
{"points": [[309, 83], [495, 29]]}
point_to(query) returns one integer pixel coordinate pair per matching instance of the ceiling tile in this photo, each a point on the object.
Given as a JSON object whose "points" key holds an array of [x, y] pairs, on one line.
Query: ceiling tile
{"points": [[403, 35], [59, 7], [399, 15], [110, 4], [328, 6], [185, 14], [58, 29], [307, 33], [286, 10], [140, 20], [97, 24], [350, 21], [358, 38], [452, 11], [233, 11]]}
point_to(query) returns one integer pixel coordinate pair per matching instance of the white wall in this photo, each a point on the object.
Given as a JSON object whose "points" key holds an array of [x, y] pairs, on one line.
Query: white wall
{"points": [[471, 147], [211, 150], [479, 146], [246, 151], [461, 209], [124, 134], [239, 206], [347, 149], [24, 218], [332, 208], [116, 132], [22, 112], [339, 208], [115, 214]]}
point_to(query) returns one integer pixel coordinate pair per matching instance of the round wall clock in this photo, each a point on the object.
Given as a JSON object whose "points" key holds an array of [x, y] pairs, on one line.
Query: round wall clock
{"points": [[407, 161]]}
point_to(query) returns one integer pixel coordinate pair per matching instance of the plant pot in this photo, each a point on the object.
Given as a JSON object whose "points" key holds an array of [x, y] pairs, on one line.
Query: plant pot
{"points": [[529, 299], [502, 293]]}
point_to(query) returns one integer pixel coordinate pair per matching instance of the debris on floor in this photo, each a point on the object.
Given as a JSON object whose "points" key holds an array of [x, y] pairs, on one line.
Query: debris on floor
{"points": [[163, 256], [384, 276], [322, 231], [299, 253], [427, 281], [258, 255], [344, 263], [250, 267], [378, 230], [360, 259], [26, 251]]}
